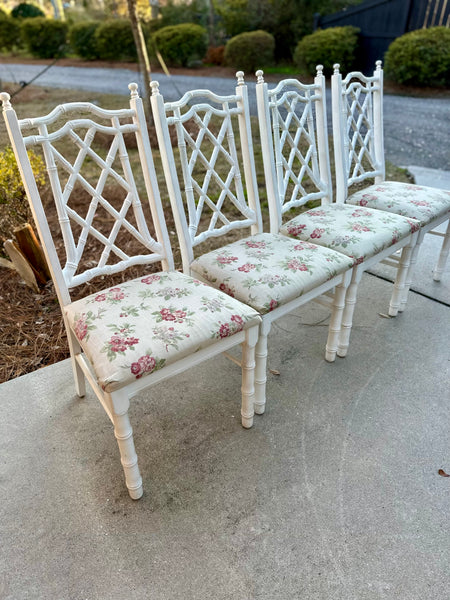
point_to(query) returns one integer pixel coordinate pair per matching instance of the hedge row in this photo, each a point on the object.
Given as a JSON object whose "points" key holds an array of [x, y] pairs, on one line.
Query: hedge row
{"points": [[180, 45]]}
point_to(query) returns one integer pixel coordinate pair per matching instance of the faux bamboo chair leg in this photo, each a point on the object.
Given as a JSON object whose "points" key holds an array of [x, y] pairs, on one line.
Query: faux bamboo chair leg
{"points": [[409, 277], [399, 291], [248, 377], [124, 435], [347, 317], [78, 375], [438, 270], [261, 368], [335, 326]]}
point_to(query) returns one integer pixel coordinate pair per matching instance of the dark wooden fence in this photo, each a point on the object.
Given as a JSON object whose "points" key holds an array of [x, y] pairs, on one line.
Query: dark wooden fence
{"points": [[381, 21]]}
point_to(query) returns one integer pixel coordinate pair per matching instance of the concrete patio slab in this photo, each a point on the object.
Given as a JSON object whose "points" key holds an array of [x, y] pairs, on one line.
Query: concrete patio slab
{"points": [[334, 493]]}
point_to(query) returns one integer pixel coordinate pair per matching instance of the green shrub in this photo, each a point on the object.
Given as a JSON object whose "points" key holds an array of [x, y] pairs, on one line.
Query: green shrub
{"points": [[3, 14], [44, 38], [82, 39], [420, 58], [251, 50], [114, 40], [26, 11], [182, 44], [9, 33], [326, 47], [14, 207]]}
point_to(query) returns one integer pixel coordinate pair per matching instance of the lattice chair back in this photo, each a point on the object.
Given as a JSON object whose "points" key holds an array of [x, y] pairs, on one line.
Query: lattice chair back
{"points": [[211, 161], [293, 128], [357, 103], [96, 228]]}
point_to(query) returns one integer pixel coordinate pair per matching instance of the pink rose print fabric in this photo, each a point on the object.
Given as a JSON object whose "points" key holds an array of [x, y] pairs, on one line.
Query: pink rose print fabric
{"points": [[358, 232], [266, 271], [134, 329], [414, 201]]}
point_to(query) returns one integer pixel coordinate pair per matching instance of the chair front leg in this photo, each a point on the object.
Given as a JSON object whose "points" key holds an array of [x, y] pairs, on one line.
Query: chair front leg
{"points": [[439, 268], [261, 368], [400, 280], [248, 377], [124, 434], [409, 277], [337, 311], [347, 317]]}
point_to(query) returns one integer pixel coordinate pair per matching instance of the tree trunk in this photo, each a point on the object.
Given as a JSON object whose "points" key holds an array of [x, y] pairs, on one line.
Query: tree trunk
{"points": [[144, 63], [31, 249]]}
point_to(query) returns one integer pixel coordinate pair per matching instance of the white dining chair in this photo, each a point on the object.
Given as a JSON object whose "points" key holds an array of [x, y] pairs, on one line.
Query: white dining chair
{"points": [[269, 272], [359, 156], [140, 330]]}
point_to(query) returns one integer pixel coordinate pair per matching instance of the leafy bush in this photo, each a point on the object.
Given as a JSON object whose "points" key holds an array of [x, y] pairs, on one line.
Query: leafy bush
{"points": [[14, 207], [9, 32], [82, 39], [420, 58], [181, 44], [26, 11], [248, 51], [114, 40], [44, 38], [326, 47]]}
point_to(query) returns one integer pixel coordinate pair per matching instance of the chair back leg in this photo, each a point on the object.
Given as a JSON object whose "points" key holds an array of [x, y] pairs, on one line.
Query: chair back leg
{"points": [[442, 261]]}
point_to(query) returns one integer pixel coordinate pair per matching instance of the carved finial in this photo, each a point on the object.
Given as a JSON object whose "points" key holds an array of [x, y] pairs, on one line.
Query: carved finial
{"points": [[260, 75], [378, 64], [133, 87], [319, 69], [240, 78], [5, 98], [336, 68], [155, 88]]}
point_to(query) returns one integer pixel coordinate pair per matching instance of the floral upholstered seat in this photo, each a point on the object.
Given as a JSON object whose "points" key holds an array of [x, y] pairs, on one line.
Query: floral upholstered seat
{"points": [[419, 202], [357, 232], [138, 327], [266, 271]]}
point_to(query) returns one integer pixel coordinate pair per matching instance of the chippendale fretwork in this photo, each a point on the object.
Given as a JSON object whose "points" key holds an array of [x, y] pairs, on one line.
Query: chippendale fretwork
{"points": [[295, 144], [82, 133], [210, 165], [357, 107]]}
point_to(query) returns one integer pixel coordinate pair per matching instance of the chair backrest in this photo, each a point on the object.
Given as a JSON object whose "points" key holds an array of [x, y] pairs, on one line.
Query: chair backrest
{"points": [[209, 159], [293, 129], [85, 148], [357, 103]]}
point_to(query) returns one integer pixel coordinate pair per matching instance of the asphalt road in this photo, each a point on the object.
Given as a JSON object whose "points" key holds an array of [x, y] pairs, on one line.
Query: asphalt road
{"points": [[417, 130]]}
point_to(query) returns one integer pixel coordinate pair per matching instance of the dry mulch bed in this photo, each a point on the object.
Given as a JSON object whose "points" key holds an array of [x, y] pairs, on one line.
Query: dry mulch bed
{"points": [[31, 329]]}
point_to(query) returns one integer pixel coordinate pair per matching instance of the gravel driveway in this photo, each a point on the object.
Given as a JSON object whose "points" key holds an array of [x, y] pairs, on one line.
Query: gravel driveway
{"points": [[417, 130]]}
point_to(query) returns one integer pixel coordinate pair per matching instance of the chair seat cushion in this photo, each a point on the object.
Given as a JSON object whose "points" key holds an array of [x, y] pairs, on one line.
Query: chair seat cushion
{"points": [[268, 270], [140, 326], [418, 202], [357, 232]]}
